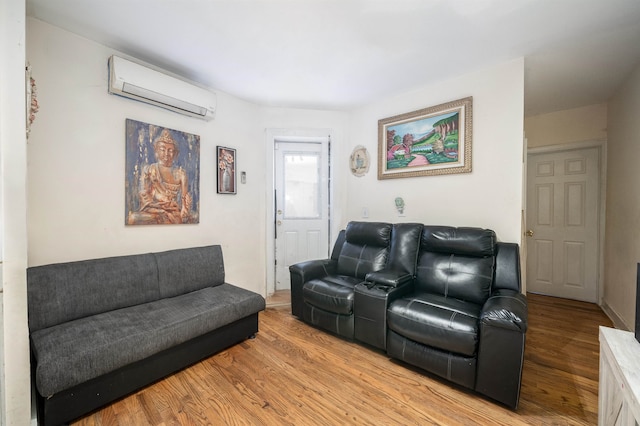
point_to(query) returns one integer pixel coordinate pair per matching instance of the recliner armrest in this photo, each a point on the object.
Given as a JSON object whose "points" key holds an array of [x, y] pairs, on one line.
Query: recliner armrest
{"points": [[388, 278], [506, 309], [313, 269], [303, 272], [503, 326], [508, 274]]}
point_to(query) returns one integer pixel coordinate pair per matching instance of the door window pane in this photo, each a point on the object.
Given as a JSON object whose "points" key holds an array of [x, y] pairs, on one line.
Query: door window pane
{"points": [[301, 186]]}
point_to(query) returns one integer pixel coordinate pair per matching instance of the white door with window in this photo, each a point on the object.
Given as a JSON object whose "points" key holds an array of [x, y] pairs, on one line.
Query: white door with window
{"points": [[563, 206], [301, 206]]}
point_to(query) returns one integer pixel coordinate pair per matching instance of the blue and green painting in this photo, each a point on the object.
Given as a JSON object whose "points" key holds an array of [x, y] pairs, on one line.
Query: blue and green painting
{"points": [[420, 143]]}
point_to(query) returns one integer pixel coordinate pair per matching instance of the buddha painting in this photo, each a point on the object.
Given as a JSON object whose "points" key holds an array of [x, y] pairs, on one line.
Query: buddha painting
{"points": [[162, 175]]}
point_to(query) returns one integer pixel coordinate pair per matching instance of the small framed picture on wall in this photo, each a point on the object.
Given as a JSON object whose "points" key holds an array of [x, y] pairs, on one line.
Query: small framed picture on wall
{"points": [[226, 170]]}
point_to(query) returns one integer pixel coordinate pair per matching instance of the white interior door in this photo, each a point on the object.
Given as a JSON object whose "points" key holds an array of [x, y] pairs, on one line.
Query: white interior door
{"points": [[563, 224], [302, 223]]}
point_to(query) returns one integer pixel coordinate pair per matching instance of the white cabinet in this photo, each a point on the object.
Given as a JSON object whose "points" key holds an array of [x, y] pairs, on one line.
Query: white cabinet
{"points": [[619, 388]]}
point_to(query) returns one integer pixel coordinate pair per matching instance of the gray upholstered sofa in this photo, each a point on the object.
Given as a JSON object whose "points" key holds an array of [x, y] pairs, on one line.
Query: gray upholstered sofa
{"points": [[103, 328]]}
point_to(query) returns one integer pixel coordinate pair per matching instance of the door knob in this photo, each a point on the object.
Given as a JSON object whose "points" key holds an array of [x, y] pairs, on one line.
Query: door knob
{"points": [[529, 233], [279, 222]]}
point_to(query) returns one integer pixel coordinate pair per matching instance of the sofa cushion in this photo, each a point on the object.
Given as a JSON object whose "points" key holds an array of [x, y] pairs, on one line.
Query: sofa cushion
{"points": [[366, 248], [443, 323], [74, 352], [184, 270], [404, 247], [333, 293], [460, 277], [67, 291], [369, 233], [461, 241]]}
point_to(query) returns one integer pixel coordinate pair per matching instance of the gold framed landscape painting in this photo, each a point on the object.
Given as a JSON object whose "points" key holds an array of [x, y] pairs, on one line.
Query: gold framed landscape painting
{"points": [[431, 141]]}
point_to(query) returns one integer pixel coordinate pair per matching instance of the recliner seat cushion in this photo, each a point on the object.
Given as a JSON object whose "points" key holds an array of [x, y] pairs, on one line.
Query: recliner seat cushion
{"points": [[333, 293], [444, 323], [74, 352]]}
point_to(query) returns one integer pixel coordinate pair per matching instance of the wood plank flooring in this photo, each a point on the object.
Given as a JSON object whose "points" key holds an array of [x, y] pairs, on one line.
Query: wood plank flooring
{"points": [[293, 374]]}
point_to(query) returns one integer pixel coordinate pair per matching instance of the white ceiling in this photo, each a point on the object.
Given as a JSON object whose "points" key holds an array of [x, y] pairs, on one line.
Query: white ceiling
{"points": [[339, 54]]}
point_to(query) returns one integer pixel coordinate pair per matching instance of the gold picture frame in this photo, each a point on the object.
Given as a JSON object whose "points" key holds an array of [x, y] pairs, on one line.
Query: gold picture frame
{"points": [[430, 141]]}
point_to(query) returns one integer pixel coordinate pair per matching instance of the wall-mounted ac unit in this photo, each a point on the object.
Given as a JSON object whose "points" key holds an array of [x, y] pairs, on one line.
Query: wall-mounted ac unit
{"points": [[135, 81]]}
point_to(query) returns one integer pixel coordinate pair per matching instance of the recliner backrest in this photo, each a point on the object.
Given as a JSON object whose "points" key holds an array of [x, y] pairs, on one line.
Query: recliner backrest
{"points": [[337, 247], [405, 242], [366, 248], [456, 262]]}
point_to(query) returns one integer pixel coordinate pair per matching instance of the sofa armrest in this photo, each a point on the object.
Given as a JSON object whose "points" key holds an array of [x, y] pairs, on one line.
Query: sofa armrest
{"points": [[312, 269], [508, 275], [506, 309], [388, 278], [303, 272], [503, 326]]}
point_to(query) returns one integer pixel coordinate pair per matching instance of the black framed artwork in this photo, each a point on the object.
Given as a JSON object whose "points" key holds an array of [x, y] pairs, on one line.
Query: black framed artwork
{"points": [[226, 170]]}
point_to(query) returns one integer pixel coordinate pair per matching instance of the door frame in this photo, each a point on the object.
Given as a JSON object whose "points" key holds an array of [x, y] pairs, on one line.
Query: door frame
{"points": [[601, 146], [274, 136]]}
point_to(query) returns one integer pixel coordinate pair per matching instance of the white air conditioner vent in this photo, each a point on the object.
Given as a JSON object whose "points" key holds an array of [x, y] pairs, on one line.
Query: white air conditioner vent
{"points": [[135, 81]]}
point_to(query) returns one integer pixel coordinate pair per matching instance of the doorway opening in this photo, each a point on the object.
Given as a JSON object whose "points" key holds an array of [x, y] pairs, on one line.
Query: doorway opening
{"points": [[298, 202], [564, 221]]}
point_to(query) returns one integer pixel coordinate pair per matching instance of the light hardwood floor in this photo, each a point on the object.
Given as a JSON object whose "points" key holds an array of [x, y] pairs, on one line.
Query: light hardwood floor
{"points": [[293, 374]]}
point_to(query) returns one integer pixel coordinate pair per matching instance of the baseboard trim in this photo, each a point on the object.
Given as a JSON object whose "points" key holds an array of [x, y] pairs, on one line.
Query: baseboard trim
{"points": [[618, 322]]}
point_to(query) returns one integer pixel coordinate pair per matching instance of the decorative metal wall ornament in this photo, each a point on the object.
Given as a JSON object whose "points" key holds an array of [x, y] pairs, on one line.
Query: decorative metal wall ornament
{"points": [[32, 99], [399, 202]]}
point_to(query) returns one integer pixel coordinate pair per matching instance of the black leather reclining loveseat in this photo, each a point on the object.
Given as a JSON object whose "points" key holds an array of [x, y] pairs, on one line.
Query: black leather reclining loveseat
{"points": [[445, 299]]}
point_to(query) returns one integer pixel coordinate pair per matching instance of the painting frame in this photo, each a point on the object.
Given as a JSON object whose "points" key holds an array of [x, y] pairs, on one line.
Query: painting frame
{"points": [[226, 170], [162, 175], [433, 154]]}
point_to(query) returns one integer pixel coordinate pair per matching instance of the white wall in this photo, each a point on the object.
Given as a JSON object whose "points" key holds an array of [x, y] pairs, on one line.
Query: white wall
{"points": [[15, 390], [76, 166], [583, 124], [490, 196], [622, 240], [76, 162]]}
